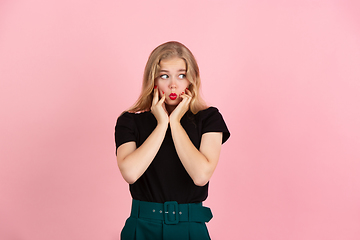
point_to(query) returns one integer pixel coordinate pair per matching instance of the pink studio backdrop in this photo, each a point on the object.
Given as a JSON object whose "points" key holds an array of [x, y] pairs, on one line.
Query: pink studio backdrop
{"points": [[284, 74]]}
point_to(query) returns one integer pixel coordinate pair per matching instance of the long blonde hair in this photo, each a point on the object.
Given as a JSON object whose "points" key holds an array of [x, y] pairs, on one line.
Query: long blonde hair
{"points": [[166, 51]]}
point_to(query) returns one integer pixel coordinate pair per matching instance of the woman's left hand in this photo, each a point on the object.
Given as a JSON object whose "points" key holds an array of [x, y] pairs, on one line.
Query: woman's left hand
{"points": [[182, 107]]}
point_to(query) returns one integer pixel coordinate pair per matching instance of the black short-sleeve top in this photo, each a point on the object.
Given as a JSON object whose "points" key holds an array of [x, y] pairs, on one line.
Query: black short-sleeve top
{"points": [[166, 179]]}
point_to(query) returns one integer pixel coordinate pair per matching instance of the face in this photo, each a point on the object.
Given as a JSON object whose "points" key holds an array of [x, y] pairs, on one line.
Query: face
{"points": [[172, 80]]}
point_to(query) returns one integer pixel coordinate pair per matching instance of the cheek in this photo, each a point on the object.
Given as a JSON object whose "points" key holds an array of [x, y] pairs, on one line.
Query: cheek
{"points": [[186, 85], [160, 85], [161, 89]]}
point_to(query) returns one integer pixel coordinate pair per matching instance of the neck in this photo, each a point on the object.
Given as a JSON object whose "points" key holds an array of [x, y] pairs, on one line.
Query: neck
{"points": [[169, 108]]}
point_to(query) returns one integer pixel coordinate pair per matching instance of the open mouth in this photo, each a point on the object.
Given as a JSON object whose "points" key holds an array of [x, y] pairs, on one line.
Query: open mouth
{"points": [[173, 96]]}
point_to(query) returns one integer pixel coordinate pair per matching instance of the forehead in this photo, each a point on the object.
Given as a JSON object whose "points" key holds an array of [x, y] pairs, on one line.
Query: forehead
{"points": [[173, 64]]}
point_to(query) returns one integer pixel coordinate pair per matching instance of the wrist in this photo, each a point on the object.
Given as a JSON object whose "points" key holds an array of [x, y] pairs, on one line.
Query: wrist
{"points": [[162, 125], [174, 122], [173, 119]]}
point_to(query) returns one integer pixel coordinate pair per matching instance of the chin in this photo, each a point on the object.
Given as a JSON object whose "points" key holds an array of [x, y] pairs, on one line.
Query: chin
{"points": [[172, 103]]}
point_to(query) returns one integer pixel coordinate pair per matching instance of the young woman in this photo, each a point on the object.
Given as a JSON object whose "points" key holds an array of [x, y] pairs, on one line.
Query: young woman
{"points": [[168, 145]]}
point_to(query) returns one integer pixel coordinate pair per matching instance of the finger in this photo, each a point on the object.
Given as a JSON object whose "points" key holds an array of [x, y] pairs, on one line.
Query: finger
{"points": [[163, 105], [161, 101], [184, 96], [156, 96], [188, 92], [184, 101], [187, 99]]}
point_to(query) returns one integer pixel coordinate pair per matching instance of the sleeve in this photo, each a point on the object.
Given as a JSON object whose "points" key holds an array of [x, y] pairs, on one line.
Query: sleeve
{"points": [[214, 122], [125, 129]]}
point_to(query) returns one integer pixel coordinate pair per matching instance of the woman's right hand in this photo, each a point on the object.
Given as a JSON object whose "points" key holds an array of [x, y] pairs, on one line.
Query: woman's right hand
{"points": [[158, 108], [132, 160]]}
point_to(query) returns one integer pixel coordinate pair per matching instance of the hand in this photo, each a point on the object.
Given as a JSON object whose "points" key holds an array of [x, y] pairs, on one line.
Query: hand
{"points": [[182, 107], [158, 108]]}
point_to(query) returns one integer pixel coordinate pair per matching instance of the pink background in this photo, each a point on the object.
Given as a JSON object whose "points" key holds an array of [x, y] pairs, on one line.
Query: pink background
{"points": [[284, 74]]}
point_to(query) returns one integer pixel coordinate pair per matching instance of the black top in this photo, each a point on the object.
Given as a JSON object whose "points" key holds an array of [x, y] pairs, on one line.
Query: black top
{"points": [[166, 179]]}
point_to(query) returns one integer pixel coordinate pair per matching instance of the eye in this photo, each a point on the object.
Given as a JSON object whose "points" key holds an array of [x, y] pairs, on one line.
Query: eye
{"points": [[164, 76], [182, 76]]}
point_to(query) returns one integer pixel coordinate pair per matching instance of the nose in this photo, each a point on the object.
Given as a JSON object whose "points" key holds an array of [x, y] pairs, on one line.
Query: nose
{"points": [[172, 83]]}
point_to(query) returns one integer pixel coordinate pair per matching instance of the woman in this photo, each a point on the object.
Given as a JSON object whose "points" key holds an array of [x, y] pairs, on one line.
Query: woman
{"points": [[168, 145]]}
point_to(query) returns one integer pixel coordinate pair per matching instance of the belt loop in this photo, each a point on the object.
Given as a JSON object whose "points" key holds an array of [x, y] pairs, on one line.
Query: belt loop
{"points": [[189, 212], [135, 208]]}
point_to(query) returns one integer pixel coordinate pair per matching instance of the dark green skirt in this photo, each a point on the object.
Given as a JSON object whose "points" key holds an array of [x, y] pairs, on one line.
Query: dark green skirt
{"points": [[168, 221]]}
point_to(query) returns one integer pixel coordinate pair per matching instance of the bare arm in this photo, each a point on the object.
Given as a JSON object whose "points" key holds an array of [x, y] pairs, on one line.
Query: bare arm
{"points": [[133, 161], [200, 164]]}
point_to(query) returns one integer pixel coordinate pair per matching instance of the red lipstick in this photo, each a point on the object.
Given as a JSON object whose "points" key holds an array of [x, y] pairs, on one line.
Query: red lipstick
{"points": [[173, 96]]}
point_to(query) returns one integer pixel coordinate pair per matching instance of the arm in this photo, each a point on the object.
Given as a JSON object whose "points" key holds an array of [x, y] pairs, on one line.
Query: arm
{"points": [[200, 164], [133, 161]]}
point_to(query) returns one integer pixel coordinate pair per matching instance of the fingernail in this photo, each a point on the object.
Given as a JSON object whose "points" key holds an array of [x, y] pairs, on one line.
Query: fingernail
{"points": [[182, 93], [155, 87], [187, 88], [163, 92]]}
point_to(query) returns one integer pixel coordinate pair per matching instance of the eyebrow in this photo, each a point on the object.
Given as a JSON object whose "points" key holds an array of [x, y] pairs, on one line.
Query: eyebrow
{"points": [[180, 70]]}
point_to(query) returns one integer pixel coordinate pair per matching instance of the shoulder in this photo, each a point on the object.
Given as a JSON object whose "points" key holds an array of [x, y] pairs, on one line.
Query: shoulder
{"points": [[213, 121], [124, 117], [134, 115], [208, 113], [210, 109], [135, 118]]}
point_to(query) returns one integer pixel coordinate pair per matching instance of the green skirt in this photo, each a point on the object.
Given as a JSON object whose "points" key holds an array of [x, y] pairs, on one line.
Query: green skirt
{"points": [[168, 221]]}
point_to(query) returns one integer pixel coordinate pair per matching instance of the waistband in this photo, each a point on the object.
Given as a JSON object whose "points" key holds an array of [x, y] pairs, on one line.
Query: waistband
{"points": [[171, 212]]}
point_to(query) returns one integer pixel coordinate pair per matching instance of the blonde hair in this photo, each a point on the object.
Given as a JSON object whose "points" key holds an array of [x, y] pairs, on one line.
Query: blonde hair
{"points": [[166, 51]]}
